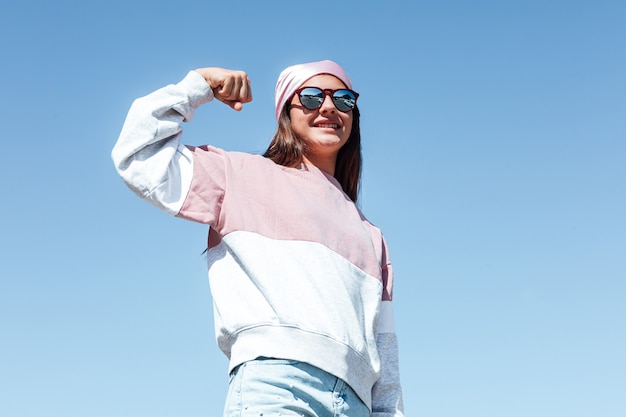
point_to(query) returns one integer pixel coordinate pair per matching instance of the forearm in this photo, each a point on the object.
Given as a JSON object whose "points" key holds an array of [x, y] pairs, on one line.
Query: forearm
{"points": [[148, 154]]}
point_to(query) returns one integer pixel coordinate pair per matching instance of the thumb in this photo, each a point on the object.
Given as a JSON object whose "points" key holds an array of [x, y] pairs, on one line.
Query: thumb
{"points": [[233, 104]]}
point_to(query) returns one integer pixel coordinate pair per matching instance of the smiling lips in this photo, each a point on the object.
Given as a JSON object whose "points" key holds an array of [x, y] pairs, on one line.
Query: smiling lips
{"points": [[327, 125]]}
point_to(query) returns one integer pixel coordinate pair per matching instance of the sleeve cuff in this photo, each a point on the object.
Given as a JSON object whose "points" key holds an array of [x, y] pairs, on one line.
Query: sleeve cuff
{"points": [[198, 90]]}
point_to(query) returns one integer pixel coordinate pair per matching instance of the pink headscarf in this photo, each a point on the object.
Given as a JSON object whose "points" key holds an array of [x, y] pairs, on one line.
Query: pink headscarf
{"points": [[294, 76]]}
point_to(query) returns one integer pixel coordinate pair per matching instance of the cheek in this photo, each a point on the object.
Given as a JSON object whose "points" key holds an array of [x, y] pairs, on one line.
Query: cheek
{"points": [[299, 125], [348, 126]]}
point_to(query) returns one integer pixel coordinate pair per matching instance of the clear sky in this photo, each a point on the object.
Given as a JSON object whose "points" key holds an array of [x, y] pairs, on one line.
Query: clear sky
{"points": [[495, 163]]}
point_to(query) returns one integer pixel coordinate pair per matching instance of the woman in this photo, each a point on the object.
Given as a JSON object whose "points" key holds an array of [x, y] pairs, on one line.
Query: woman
{"points": [[301, 281]]}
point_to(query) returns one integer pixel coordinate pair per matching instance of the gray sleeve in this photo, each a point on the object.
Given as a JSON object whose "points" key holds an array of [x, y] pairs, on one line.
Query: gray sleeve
{"points": [[387, 392]]}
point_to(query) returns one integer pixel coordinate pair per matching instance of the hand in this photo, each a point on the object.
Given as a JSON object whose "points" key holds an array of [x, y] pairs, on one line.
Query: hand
{"points": [[229, 86]]}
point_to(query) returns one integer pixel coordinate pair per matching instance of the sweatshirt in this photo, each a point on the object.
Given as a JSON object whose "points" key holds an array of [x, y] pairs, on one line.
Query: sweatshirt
{"points": [[295, 269]]}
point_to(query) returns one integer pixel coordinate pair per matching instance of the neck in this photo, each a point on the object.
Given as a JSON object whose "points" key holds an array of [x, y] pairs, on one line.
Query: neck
{"points": [[325, 163]]}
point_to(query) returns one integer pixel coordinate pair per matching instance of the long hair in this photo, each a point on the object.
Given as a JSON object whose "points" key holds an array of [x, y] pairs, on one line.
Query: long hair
{"points": [[287, 149]]}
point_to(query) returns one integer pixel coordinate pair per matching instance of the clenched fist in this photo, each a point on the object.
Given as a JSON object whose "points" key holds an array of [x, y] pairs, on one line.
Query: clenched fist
{"points": [[229, 86]]}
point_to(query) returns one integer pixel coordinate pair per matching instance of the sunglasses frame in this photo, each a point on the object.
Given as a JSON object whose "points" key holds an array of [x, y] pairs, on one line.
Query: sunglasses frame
{"points": [[327, 92]]}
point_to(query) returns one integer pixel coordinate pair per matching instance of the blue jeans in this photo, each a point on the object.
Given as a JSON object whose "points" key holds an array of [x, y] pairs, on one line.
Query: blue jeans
{"points": [[283, 388]]}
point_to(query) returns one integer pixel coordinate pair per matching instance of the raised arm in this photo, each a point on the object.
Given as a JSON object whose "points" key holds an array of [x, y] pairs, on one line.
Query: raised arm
{"points": [[148, 154]]}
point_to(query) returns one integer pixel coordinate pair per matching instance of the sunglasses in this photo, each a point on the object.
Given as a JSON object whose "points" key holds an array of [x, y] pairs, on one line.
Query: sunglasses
{"points": [[313, 97]]}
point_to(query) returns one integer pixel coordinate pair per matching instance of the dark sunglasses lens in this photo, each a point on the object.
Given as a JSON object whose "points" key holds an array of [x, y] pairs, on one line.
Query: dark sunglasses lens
{"points": [[311, 98], [344, 100]]}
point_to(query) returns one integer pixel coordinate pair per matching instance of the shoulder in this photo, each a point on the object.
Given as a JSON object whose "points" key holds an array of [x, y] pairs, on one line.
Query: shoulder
{"points": [[232, 163], [233, 156]]}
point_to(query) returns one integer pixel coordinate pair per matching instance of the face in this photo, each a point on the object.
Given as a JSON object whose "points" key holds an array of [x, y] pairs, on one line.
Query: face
{"points": [[324, 130]]}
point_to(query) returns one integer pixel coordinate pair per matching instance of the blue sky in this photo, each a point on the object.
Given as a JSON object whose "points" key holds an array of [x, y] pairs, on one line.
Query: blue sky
{"points": [[494, 144]]}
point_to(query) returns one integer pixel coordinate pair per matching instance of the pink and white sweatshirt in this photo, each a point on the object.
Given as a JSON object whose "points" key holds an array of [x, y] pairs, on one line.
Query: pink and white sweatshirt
{"points": [[295, 270]]}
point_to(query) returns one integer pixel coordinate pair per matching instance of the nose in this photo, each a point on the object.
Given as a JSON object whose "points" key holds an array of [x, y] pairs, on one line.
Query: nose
{"points": [[328, 105]]}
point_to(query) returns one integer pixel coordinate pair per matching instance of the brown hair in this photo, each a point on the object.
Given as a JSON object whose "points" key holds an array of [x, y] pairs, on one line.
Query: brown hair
{"points": [[287, 149]]}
